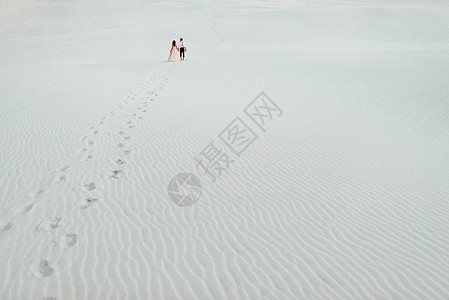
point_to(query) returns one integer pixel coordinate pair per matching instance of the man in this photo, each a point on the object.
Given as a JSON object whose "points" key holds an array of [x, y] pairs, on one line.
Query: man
{"points": [[182, 49]]}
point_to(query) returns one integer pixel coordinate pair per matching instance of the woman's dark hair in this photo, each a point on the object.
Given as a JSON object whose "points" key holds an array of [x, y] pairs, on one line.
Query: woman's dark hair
{"points": [[173, 43]]}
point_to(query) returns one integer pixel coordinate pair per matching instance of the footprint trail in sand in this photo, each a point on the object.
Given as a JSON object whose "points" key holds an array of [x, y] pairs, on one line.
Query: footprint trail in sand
{"points": [[86, 189]]}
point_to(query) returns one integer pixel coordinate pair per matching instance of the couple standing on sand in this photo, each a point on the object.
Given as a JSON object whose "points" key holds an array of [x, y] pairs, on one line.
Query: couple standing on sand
{"points": [[175, 52]]}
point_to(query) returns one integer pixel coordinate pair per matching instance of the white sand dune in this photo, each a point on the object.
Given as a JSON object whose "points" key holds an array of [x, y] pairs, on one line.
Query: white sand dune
{"points": [[343, 195]]}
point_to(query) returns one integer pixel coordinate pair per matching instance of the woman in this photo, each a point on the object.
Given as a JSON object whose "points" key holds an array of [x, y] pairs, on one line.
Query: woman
{"points": [[174, 52]]}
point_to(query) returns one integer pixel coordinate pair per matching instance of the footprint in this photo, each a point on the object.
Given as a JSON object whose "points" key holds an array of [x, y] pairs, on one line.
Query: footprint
{"points": [[126, 152], [114, 174], [120, 145], [59, 178], [87, 202], [119, 161], [36, 193], [68, 240], [81, 150], [41, 268], [62, 169], [89, 186], [121, 133], [139, 117], [21, 210], [126, 138], [50, 225], [90, 142], [5, 226]]}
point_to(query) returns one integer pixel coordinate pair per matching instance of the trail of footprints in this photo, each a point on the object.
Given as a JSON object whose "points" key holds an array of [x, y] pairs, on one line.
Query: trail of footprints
{"points": [[42, 268]]}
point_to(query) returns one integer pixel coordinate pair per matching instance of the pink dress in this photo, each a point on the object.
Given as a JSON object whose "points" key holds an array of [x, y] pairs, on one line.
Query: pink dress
{"points": [[174, 54]]}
